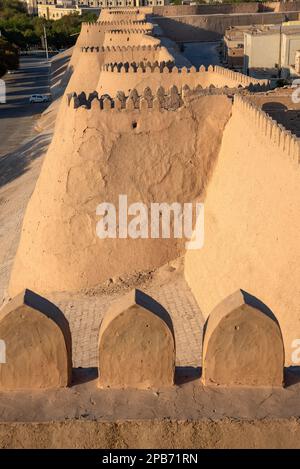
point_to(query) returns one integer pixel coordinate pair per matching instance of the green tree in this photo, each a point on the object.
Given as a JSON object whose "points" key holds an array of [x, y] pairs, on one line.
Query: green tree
{"points": [[26, 31], [9, 58]]}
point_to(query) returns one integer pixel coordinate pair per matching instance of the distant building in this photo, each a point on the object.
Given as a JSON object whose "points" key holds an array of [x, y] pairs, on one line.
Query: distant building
{"points": [[55, 9], [63, 8], [271, 49], [297, 62], [233, 47]]}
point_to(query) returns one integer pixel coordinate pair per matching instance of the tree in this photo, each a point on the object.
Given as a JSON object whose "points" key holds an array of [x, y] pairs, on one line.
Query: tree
{"points": [[9, 58], [26, 31]]}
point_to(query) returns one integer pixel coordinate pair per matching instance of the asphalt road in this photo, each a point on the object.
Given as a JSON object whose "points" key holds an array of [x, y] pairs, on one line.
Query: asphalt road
{"points": [[17, 115]]}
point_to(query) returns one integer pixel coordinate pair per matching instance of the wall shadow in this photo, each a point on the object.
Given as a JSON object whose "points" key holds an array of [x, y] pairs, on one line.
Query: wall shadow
{"points": [[289, 118], [183, 32], [16, 163], [186, 374], [83, 375], [291, 376]]}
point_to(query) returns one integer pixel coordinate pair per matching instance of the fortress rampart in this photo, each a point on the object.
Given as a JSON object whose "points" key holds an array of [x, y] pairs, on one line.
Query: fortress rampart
{"points": [[131, 38], [267, 127], [252, 220], [159, 100], [126, 77], [108, 14], [95, 155], [131, 54], [94, 33]]}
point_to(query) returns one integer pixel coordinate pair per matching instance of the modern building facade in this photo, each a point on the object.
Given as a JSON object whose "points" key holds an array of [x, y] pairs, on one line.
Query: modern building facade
{"points": [[271, 48], [55, 9]]}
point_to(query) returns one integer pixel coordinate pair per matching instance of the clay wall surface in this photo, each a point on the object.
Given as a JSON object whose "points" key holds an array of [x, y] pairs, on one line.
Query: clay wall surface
{"points": [[84, 69], [86, 72], [128, 37], [252, 221], [103, 157], [93, 33], [90, 63], [206, 433], [132, 54]]}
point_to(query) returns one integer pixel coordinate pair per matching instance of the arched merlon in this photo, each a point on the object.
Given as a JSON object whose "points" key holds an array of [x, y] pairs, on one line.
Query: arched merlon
{"points": [[242, 344]]}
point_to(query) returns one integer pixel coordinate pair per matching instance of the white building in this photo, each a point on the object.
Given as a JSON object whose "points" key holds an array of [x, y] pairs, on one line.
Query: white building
{"points": [[297, 62], [271, 49]]}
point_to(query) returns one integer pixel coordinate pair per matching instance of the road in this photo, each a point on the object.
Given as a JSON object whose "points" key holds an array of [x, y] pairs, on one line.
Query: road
{"points": [[202, 53], [17, 116]]}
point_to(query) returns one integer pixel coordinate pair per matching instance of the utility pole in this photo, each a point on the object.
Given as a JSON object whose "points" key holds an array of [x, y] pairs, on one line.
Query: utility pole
{"points": [[280, 47], [46, 43]]}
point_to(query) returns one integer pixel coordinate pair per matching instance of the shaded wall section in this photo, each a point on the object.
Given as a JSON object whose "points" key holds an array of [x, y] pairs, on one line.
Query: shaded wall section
{"points": [[196, 28]]}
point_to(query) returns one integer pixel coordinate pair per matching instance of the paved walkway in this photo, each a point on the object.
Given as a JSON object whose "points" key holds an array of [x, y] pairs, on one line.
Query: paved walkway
{"points": [[85, 314]]}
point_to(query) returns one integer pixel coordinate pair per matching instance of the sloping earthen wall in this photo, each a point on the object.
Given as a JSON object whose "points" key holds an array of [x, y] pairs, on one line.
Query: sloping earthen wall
{"points": [[150, 155], [196, 28]]}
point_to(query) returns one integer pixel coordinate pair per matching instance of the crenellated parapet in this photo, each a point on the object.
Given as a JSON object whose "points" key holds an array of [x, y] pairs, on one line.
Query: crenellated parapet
{"points": [[123, 12], [227, 74], [288, 143], [122, 24], [140, 67], [133, 30], [131, 48], [120, 14], [167, 97], [119, 22], [244, 79], [161, 99]]}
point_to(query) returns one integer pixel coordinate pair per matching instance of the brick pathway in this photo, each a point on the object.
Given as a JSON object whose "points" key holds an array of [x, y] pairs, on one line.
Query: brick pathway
{"points": [[84, 314]]}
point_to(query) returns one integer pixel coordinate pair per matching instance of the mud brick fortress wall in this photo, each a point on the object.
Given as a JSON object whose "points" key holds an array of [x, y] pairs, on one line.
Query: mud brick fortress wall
{"points": [[251, 219], [105, 148], [114, 78], [157, 138]]}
